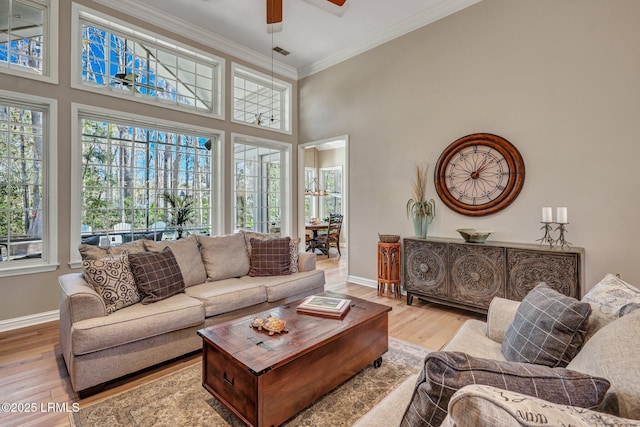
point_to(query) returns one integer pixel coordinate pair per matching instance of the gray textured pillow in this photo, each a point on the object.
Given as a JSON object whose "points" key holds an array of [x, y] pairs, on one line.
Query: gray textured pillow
{"points": [[548, 329], [113, 280], [95, 252], [157, 275], [187, 253], [446, 372], [225, 256]]}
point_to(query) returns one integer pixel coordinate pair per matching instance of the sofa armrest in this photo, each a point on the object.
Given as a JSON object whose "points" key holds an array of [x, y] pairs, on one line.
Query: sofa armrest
{"points": [[499, 407], [78, 299], [306, 261], [499, 317]]}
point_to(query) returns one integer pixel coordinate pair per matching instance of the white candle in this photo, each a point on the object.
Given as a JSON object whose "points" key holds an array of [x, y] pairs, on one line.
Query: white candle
{"points": [[561, 215], [546, 215]]}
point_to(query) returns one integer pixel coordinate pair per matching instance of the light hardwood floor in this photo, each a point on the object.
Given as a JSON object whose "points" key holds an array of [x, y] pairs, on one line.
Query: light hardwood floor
{"points": [[32, 369]]}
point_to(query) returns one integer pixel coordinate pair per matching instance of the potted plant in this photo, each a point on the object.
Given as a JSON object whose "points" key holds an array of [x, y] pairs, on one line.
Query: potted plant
{"points": [[421, 209], [182, 210]]}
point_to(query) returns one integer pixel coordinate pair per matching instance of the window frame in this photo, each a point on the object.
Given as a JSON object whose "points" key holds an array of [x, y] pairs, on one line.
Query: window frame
{"points": [[323, 184], [50, 43], [80, 111], [285, 178], [284, 87], [49, 259], [82, 13]]}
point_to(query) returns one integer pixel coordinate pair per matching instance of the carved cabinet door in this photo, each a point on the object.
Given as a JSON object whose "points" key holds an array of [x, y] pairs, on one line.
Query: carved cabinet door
{"points": [[477, 274], [527, 268], [425, 268]]}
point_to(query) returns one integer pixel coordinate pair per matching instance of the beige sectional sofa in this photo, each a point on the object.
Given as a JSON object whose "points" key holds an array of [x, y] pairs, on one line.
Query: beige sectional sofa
{"points": [[609, 352], [100, 343]]}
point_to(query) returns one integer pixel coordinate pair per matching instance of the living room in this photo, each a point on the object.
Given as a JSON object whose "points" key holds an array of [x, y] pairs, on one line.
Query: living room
{"points": [[558, 79]]}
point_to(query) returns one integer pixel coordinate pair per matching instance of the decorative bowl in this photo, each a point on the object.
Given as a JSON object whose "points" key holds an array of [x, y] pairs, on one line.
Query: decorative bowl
{"points": [[473, 236], [389, 238]]}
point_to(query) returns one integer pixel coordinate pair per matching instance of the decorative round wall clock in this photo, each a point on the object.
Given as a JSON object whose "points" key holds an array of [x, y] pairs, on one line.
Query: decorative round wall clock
{"points": [[479, 174]]}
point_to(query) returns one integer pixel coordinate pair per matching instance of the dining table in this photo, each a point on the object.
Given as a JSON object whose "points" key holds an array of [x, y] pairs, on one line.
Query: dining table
{"points": [[315, 228]]}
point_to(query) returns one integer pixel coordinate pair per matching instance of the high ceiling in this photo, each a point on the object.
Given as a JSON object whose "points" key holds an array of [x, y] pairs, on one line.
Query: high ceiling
{"points": [[315, 38]]}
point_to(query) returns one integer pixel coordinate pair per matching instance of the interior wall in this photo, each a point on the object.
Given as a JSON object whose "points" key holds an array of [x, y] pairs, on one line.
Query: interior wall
{"points": [[559, 79], [32, 294]]}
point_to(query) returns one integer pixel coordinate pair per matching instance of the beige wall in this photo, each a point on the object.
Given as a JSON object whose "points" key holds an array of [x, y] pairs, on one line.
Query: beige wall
{"points": [[558, 78], [27, 295]]}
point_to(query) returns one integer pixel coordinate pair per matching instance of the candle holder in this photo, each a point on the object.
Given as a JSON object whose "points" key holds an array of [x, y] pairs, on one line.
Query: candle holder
{"points": [[561, 240], [547, 235]]}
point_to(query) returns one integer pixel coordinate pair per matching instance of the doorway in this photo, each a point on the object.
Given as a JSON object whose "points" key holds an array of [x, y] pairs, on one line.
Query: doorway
{"points": [[324, 177]]}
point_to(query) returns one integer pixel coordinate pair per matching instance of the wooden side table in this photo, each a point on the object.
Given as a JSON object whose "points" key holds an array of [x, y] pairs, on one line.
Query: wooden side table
{"points": [[389, 269]]}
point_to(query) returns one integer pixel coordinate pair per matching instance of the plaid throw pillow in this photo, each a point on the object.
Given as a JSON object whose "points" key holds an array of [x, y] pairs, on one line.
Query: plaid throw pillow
{"points": [[157, 275], [444, 373], [548, 328], [270, 257]]}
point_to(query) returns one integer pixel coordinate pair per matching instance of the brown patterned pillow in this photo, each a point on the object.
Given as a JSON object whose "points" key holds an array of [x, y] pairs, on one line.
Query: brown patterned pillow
{"points": [[293, 246], [270, 257], [548, 329], [113, 280], [444, 373], [157, 275]]}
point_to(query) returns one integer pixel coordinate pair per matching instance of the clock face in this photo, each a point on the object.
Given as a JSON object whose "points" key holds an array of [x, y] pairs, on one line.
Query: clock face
{"points": [[479, 174]]}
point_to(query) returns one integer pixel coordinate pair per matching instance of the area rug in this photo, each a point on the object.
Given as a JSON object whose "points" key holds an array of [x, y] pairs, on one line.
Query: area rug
{"points": [[178, 399]]}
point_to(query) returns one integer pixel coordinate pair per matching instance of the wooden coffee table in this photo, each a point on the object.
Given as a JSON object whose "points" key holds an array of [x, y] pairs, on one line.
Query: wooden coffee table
{"points": [[265, 380]]}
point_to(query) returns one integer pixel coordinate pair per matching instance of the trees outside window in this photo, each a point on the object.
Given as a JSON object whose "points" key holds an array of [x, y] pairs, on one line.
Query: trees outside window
{"points": [[331, 181], [130, 170]]}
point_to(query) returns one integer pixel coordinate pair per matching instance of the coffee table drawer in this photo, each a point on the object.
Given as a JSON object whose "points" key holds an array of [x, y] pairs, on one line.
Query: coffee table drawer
{"points": [[231, 383]]}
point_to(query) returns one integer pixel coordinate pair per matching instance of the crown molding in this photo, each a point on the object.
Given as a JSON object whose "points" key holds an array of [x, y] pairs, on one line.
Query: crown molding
{"points": [[428, 16], [207, 38]]}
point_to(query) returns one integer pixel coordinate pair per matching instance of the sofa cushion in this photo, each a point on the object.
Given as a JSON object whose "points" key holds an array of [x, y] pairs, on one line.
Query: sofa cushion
{"points": [[225, 256], [136, 322], [112, 279], [472, 339], [187, 253], [496, 407], [548, 328], [224, 296], [270, 257], [157, 274], [612, 352], [294, 246], [280, 287], [95, 252], [610, 298], [446, 372]]}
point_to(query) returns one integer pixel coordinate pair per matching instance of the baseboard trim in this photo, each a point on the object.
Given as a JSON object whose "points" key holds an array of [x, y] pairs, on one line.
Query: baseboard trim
{"points": [[31, 320], [362, 281]]}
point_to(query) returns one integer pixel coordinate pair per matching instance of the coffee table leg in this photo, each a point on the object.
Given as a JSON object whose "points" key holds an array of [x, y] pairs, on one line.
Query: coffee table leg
{"points": [[377, 363]]}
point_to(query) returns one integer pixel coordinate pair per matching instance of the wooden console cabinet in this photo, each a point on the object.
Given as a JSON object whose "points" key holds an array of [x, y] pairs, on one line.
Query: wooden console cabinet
{"points": [[469, 275]]}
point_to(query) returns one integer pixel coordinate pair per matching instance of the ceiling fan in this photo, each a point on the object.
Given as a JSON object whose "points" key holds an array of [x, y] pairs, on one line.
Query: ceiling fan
{"points": [[274, 10]]}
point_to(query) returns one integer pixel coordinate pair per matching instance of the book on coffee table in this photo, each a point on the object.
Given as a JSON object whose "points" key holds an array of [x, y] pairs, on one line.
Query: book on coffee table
{"points": [[326, 306]]}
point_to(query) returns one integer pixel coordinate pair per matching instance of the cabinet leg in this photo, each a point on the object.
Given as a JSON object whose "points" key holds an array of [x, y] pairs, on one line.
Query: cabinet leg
{"points": [[409, 299]]}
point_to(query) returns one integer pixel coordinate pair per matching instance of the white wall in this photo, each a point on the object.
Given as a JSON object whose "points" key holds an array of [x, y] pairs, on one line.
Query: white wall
{"points": [[560, 79]]}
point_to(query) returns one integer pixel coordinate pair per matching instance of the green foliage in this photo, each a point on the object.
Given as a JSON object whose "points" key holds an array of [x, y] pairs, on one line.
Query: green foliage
{"points": [[182, 208], [419, 205]]}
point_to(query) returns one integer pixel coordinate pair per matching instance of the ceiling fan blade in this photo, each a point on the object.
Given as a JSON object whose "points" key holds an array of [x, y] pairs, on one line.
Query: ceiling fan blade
{"points": [[274, 11], [338, 2]]}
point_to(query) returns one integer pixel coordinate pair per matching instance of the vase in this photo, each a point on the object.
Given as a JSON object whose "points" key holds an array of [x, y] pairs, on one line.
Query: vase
{"points": [[421, 225]]}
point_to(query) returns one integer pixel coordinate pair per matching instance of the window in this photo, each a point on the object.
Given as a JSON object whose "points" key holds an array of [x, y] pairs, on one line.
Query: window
{"points": [[260, 180], [260, 100], [310, 205], [27, 202], [331, 181], [28, 43], [136, 175], [132, 64]]}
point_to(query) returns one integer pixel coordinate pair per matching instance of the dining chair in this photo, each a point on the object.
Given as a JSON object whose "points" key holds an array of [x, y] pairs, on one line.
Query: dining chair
{"points": [[325, 241]]}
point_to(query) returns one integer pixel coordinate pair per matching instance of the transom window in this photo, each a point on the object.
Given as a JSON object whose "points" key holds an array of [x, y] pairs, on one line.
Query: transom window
{"points": [[259, 182], [141, 180], [25, 204], [131, 63], [261, 100], [25, 37]]}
